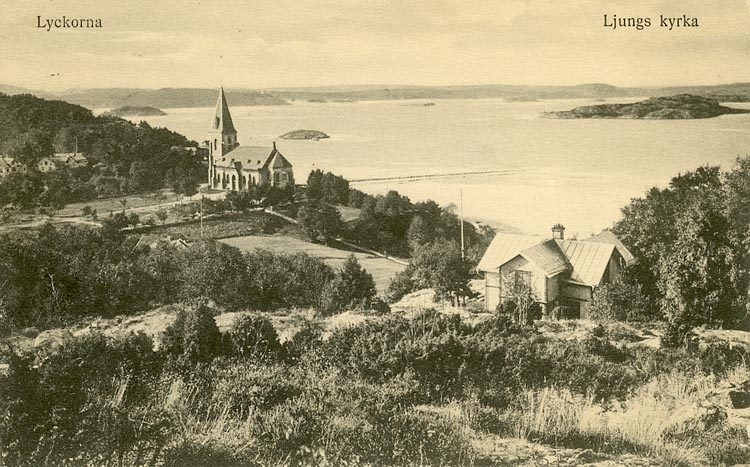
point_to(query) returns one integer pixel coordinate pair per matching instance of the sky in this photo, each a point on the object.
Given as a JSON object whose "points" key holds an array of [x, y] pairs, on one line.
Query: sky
{"points": [[282, 43]]}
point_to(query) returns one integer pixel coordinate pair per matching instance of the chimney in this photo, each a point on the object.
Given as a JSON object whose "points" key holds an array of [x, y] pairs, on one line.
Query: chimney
{"points": [[558, 232], [274, 144]]}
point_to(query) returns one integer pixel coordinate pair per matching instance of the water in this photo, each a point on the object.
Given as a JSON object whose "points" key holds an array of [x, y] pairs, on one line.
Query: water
{"points": [[576, 172]]}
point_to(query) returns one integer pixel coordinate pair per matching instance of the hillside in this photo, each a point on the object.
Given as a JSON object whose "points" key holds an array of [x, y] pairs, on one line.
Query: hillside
{"points": [[122, 157], [134, 111], [677, 107]]}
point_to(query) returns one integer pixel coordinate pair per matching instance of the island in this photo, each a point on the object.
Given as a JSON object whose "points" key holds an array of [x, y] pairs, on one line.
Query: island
{"points": [[134, 111], [677, 107], [304, 134]]}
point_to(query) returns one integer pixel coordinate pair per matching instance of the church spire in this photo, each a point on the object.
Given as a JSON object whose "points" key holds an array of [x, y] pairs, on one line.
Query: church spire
{"points": [[222, 117]]}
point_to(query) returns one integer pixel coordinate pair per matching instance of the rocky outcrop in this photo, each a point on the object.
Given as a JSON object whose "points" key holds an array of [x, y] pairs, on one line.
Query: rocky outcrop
{"points": [[678, 107], [304, 134], [134, 111]]}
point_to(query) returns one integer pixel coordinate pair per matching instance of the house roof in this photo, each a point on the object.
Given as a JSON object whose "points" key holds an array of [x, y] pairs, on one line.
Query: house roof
{"points": [[585, 260], [588, 259], [222, 118], [9, 163], [505, 247], [548, 257], [68, 157], [606, 236]]}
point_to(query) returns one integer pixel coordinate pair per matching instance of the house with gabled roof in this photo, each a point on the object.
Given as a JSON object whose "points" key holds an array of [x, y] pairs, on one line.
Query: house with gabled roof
{"points": [[71, 159], [9, 165], [235, 168], [559, 272]]}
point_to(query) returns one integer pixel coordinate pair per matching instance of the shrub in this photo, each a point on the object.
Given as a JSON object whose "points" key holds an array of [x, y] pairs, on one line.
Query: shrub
{"points": [[307, 342], [399, 285], [353, 287], [193, 337], [254, 337], [619, 301]]}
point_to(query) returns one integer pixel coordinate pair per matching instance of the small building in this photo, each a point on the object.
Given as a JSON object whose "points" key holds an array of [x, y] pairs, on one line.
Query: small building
{"points": [[236, 168], [559, 272], [71, 159], [46, 164], [8, 165]]}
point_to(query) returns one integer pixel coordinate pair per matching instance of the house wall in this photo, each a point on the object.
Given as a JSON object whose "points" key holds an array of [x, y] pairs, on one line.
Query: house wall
{"points": [[614, 269], [580, 294], [491, 290], [538, 279], [553, 289]]}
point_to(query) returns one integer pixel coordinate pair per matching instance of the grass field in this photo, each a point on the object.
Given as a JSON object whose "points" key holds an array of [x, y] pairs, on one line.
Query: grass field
{"points": [[382, 270]]}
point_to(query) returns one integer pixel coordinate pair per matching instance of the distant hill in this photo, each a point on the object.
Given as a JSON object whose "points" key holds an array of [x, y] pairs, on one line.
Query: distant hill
{"points": [[15, 90], [677, 107], [165, 98], [134, 111]]}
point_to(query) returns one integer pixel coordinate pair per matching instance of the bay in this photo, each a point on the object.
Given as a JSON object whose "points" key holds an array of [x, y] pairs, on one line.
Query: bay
{"points": [[575, 172]]}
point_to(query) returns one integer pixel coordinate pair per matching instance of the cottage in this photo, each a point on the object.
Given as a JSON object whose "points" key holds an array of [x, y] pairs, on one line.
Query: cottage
{"points": [[46, 164], [235, 168], [71, 159], [560, 272], [8, 165]]}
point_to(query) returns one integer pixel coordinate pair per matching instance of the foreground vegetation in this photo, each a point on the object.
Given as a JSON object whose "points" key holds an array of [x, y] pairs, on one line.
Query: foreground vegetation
{"points": [[392, 391]]}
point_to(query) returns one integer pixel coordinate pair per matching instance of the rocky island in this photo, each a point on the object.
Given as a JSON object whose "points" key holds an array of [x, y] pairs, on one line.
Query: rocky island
{"points": [[134, 111], [304, 134], [677, 107]]}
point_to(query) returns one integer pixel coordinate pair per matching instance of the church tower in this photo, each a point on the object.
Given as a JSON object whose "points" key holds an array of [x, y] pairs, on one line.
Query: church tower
{"points": [[222, 137]]}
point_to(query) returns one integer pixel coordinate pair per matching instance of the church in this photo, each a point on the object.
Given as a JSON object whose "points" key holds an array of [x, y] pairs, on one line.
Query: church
{"points": [[233, 167]]}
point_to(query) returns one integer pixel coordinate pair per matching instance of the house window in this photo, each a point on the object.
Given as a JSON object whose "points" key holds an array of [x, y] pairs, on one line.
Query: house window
{"points": [[522, 279]]}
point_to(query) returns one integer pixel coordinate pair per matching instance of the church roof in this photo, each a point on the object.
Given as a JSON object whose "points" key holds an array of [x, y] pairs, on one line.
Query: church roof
{"points": [[222, 118], [276, 160]]}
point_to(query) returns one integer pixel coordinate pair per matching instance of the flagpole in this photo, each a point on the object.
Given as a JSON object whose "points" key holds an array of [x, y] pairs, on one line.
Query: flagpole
{"points": [[462, 224]]}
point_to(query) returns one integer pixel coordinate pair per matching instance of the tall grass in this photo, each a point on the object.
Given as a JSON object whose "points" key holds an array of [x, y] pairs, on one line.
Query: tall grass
{"points": [[638, 425]]}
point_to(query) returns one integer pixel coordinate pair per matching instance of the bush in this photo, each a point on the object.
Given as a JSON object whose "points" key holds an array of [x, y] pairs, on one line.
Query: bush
{"points": [[254, 337], [193, 337], [619, 302], [399, 285]]}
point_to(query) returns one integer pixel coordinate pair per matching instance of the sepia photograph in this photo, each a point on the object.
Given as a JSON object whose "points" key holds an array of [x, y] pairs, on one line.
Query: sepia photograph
{"points": [[374, 233]]}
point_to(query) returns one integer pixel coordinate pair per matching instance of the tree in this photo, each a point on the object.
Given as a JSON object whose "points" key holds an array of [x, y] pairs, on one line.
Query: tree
{"points": [[217, 272], [439, 265], [521, 302], [320, 220], [162, 215], [353, 287], [698, 277], [649, 225]]}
